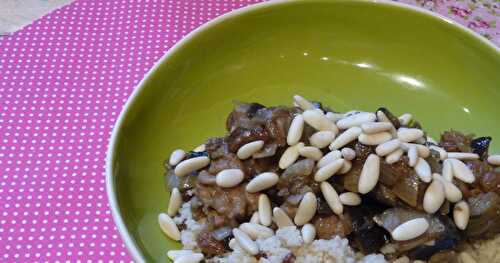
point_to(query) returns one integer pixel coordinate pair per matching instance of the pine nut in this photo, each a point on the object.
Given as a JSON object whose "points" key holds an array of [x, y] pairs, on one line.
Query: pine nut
{"points": [[308, 233], [369, 174], [461, 171], [290, 155], [306, 210], [434, 197], [387, 147], [295, 130], [394, 156], [245, 242], [329, 158], [422, 150], [376, 127], [176, 157], [229, 178], [381, 117], [262, 182], [375, 138], [423, 170], [247, 150], [451, 191], [169, 227], [409, 134], [191, 258], [328, 170], [319, 121], [410, 229], [350, 199], [281, 218], [322, 139], [403, 259], [232, 243], [466, 258], [494, 159], [303, 103], [346, 167], [175, 254], [311, 152], [265, 212], [255, 218], [332, 198], [174, 203], [405, 119], [190, 165], [356, 120], [463, 156], [256, 231], [348, 153], [447, 170], [412, 156], [333, 116], [346, 137], [200, 148], [461, 214], [442, 153]]}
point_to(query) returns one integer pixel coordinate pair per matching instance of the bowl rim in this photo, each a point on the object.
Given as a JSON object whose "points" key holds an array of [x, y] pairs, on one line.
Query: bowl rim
{"points": [[110, 184]]}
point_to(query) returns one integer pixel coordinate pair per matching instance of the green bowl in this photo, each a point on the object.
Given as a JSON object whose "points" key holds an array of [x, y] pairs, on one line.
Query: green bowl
{"points": [[348, 54]]}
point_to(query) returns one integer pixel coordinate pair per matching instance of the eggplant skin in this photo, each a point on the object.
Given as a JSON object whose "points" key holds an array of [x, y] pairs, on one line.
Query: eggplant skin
{"points": [[480, 146]]}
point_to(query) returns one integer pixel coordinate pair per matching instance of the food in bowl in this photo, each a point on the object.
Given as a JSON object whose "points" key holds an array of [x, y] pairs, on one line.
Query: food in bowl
{"points": [[309, 184]]}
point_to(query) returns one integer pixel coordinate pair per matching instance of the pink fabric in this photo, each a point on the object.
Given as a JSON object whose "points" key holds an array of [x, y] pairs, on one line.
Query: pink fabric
{"points": [[63, 82]]}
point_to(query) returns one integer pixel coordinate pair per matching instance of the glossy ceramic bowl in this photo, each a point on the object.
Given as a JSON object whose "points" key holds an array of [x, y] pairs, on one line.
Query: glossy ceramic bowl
{"points": [[347, 54]]}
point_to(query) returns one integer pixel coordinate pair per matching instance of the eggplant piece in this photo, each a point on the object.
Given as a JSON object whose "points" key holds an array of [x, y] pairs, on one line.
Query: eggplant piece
{"points": [[269, 150], [277, 122], [183, 183], [392, 118], [485, 215], [209, 245], [366, 235], [297, 179], [216, 147], [454, 141], [480, 146], [362, 151], [490, 181], [384, 195], [350, 180], [390, 174], [229, 161], [449, 256], [441, 230], [241, 115], [482, 171], [240, 136], [410, 189], [434, 161], [333, 225], [323, 207], [447, 239]]}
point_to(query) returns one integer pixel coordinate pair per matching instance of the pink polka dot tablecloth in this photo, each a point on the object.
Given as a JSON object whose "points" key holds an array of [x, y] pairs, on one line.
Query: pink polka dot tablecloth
{"points": [[63, 82]]}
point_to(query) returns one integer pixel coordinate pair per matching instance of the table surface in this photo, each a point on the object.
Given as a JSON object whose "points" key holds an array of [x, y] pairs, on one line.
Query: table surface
{"points": [[63, 82]]}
